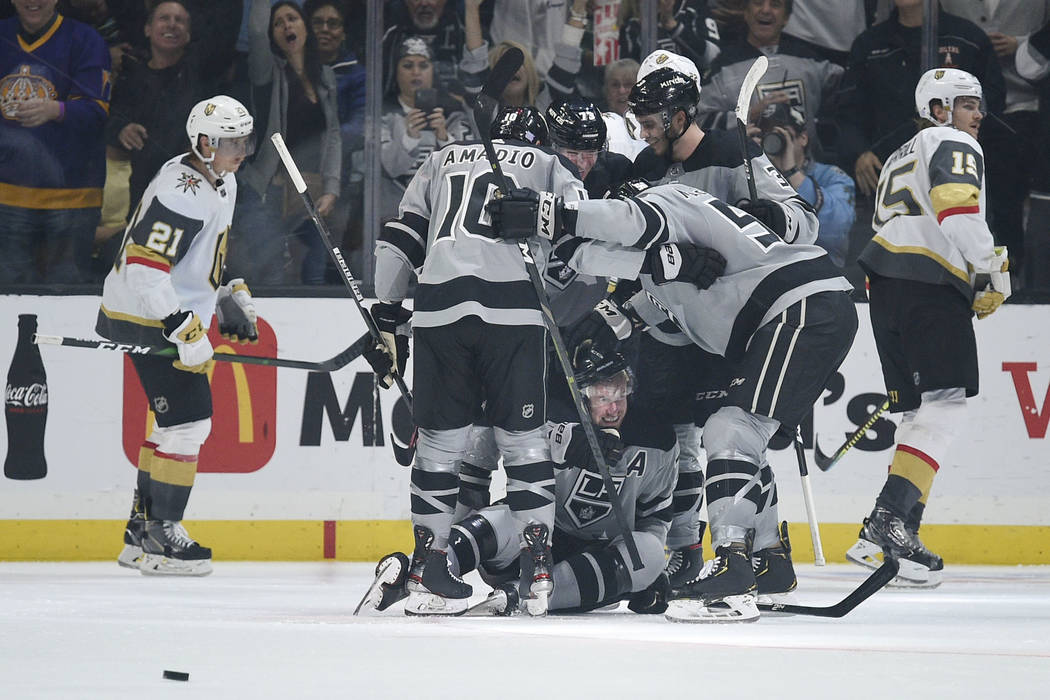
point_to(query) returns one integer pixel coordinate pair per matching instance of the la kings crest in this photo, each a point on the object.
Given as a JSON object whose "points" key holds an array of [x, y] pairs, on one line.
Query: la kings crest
{"points": [[588, 501]]}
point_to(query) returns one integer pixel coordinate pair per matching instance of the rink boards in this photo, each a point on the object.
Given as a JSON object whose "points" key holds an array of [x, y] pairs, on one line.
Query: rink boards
{"points": [[299, 465]]}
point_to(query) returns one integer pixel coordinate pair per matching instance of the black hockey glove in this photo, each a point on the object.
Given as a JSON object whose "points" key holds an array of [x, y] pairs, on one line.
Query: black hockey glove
{"points": [[768, 212], [653, 600], [685, 262], [606, 328], [569, 446], [235, 311], [523, 213], [394, 328]]}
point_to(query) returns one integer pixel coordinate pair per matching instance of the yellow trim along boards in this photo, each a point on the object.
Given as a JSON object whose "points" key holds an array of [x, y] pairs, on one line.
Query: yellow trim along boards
{"points": [[368, 540]]}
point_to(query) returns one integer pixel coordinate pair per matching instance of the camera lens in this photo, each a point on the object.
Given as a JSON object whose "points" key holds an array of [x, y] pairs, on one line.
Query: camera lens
{"points": [[773, 144]]}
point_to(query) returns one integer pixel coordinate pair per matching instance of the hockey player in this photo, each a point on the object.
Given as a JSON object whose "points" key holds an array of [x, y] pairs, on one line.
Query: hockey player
{"points": [[579, 133], [931, 264], [162, 289], [480, 350], [780, 313]]}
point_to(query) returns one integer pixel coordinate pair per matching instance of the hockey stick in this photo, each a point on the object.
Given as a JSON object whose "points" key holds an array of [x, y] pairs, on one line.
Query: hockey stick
{"points": [[502, 72], [337, 255], [807, 497], [824, 462], [879, 578], [339, 361], [743, 106]]}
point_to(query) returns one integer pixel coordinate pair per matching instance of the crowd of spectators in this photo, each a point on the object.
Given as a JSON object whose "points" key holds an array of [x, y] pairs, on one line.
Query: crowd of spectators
{"points": [[95, 95]]}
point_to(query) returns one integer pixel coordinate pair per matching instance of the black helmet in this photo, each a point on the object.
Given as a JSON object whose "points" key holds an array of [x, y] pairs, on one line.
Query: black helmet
{"points": [[577, 124], [520, 124], [664, 91], [594, 368], [627, 189]]}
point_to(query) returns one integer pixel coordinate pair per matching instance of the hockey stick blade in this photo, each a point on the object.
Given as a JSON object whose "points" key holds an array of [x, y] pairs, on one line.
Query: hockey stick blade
{"points": [[871, 585], [501, 74], [743, 106], [355, 350], [405, 454], [824, 462]]}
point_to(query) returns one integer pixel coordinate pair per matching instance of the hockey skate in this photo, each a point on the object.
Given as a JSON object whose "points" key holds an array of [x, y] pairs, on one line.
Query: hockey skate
{"points": [[536, 568], [885, 534], [503, 601], [683, 565], [389, 584], [435, 590], [723, 592], [168, 550], [131, 556], [774, 572]]}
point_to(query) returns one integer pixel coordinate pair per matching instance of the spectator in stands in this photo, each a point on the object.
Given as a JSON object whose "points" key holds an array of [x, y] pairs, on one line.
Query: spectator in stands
{"points": [[1006, 141], [1032, 61], [328, 20], [620, 77], [683, 27], [105, 17], [153, 98], [54, 95], [411, 129], [795, 75], [295, 95], [437, 24], [783, 135], [828, 27], [535, 24]]}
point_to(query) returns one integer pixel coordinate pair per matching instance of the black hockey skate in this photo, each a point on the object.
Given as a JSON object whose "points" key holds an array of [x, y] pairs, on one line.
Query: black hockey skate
{"points": [[389, 584], [885, 535], [438, 591], [684, 564], [131, 556], [725, 590], [168, 550], [537, 565], [503, 601], [774, 572]]}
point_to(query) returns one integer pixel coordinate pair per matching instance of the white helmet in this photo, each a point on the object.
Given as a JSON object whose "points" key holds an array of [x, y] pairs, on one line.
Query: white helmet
{"points": [[666, 59], [944, 85], [219, 118]]}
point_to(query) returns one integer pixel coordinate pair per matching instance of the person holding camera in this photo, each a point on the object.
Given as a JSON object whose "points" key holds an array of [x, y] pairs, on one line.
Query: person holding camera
{"points": [[829, 190], [417, 121]]}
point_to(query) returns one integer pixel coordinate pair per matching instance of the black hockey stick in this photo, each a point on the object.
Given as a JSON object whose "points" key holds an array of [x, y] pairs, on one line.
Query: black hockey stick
{"points": [[339, 361], [879, 578], [502, 72], [825, 462], [743, 106], [337, 255]]}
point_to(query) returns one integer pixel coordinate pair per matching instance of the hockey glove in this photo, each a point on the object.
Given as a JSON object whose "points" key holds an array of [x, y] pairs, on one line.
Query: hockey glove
{"points": [[569, 446], [185, 330], [992, 283], [235, 310], [685, 262], [606, 328], [394, 325], [523, 213], [653, 600], [768, 212]]}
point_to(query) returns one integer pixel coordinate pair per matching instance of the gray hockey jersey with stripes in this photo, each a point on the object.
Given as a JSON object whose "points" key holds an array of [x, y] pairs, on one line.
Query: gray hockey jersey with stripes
{"points": [[444, 234], [644, 477], [763, 274]]}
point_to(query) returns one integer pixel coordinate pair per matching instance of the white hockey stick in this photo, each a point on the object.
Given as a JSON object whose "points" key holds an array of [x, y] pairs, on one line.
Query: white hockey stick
{"points": [[743, 106], [807, 497]]}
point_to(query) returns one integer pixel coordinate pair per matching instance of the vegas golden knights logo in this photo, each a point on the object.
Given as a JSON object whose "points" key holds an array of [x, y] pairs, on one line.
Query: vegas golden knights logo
{"points": [[209, 109]]}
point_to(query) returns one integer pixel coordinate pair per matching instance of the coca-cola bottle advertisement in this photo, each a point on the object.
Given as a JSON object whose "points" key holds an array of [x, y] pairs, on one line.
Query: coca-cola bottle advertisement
{"points": [[25, 406]]}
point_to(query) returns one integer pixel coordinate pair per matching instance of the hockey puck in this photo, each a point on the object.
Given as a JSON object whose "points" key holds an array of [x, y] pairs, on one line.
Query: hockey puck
{"points": [[176, 675]]}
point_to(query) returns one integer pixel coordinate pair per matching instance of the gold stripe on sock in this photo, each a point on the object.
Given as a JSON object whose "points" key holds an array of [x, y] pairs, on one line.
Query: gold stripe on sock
{"points": [[146, 451], [178, 470], [917, 467]]}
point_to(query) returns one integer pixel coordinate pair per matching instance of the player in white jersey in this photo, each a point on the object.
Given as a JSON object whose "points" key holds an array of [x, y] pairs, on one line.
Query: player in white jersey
{"points": [[781, 314], [931, 263], [480, 347], [163, 288]]}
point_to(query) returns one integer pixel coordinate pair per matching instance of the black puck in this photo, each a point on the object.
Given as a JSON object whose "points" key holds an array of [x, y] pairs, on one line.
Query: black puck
{"points": [[176, 676]]}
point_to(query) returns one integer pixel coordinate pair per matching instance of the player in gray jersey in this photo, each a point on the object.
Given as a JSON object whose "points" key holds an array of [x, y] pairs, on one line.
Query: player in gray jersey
{"points": [[591, 562], [780, 313], [480, 349]]}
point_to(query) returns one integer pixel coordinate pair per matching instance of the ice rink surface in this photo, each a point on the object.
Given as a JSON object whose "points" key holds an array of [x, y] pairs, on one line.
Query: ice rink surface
{"points": [[285, 630]]}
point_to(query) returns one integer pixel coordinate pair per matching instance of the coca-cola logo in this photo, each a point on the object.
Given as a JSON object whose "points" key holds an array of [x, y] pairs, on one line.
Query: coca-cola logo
{"points": [[34, 394]]}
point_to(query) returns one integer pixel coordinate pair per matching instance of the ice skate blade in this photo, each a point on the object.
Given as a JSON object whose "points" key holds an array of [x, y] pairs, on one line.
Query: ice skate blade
{"points": [[774, 598], [496, 605], [130, 557], [538, 603], [430, 605], [387, 572], [911, 575], [734, 608], [160, 565]]}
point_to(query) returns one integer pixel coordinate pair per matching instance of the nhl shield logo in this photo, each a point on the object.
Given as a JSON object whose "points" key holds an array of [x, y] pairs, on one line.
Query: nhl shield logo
{"points": [[527, 410], [160, 404]]}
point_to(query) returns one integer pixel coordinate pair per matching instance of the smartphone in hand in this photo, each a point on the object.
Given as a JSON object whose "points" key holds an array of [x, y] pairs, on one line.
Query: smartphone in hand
{"points": [[426, 101]]}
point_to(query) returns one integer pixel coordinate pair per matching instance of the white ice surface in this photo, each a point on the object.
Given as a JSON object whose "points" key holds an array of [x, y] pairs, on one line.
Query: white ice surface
{"points": [[276, 630]]}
